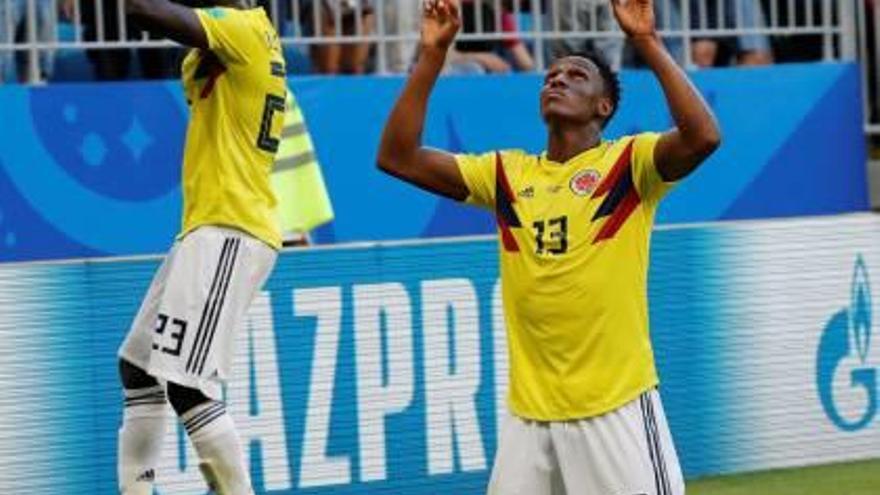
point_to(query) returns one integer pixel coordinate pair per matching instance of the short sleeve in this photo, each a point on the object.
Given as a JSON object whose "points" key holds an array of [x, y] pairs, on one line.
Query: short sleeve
{"points": [[230, 34], [648, 181], [478, 172]]}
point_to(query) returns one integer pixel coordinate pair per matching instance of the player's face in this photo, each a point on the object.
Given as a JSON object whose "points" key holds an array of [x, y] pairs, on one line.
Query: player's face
{"points": [[574, 92]]}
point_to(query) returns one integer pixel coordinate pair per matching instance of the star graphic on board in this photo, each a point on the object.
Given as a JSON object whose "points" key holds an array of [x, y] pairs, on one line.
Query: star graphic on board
{"points": [[136, 139]]}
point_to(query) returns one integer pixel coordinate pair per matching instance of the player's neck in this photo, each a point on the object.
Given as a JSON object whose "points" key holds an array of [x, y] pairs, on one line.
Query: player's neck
{"points": [[565, 143]]}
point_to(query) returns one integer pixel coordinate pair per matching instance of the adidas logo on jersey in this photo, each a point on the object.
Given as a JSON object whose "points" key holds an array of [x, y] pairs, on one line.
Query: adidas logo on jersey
{"points": [[148, 476], [528, 192]]}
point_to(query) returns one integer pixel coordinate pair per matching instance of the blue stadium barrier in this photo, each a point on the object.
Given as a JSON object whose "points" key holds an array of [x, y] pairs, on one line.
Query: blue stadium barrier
{"points": [[379, 369], [94, 169]]}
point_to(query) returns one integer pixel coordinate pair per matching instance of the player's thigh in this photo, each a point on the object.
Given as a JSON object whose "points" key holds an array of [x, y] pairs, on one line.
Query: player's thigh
{"points": [[627, 451], [253, 265], [137, 345], [214, 277], [524, 462]]}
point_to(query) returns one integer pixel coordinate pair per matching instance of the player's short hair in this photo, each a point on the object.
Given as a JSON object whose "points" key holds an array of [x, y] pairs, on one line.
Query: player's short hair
{"points": [[609, 77], [196, 4], [207, 4]]}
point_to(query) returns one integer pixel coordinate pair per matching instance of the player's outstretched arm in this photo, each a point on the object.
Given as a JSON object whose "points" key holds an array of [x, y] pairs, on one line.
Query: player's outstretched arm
{"points": [[696, 134], [401, 153], [174, 21]]}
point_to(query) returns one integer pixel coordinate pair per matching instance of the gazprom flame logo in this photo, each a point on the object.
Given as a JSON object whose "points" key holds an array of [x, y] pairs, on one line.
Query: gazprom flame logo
{"points": [[846, 377]]}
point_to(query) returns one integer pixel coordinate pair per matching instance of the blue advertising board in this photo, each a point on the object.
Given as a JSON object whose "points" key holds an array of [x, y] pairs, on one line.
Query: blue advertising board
{"points": [[93, 169], [382, 368]]}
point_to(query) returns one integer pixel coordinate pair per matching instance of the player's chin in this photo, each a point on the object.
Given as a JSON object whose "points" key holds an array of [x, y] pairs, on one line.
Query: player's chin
{"points": [[552, 111]]}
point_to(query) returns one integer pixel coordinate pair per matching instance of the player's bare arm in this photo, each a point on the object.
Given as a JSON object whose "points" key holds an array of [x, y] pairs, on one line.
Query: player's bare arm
{"points": [[171, 20], [401, 153], [696, 134]]}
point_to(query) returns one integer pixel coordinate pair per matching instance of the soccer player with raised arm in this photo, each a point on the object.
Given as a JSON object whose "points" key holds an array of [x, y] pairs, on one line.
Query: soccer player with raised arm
{"points": [[180, 346], [574, 229]]}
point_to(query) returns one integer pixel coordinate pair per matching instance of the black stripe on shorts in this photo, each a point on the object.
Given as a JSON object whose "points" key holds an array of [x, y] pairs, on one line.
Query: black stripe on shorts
{"points": [[206, 310], [659, 487], [211, 328], [661, 483]]}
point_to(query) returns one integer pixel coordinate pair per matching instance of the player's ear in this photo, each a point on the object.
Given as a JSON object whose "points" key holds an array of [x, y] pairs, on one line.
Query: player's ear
{"points": [[606, 108]]}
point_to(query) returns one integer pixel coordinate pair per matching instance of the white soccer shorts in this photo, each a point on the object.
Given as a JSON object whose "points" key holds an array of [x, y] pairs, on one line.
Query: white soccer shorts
{"points": [[628, 451], [185, 329]]}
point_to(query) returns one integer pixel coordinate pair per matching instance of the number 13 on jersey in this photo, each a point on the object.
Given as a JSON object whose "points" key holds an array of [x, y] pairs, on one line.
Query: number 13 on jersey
{"points": [[551, 236]]}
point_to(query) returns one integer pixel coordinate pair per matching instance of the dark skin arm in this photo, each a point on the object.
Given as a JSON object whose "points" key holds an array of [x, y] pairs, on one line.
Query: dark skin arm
{"points": [[401, 153], [174, 21], [696, 134]]}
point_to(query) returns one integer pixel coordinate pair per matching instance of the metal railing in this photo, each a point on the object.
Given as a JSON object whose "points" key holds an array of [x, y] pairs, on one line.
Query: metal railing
{"points": [[381, 35], [866, 26]]}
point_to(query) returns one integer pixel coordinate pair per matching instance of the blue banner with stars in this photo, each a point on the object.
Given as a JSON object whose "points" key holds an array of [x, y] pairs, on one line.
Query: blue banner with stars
{"points": [[92, 169]]}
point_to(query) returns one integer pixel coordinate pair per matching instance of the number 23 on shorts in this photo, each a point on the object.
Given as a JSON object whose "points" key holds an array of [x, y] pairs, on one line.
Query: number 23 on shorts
{"points": [[170, 333]]}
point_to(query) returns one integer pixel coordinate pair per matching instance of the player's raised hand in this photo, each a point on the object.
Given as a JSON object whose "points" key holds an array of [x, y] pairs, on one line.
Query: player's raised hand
{"points": [[636, 17], [441, 21]]}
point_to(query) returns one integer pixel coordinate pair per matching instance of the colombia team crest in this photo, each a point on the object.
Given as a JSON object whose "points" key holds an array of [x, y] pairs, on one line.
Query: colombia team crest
{"points": [[585, 182]]}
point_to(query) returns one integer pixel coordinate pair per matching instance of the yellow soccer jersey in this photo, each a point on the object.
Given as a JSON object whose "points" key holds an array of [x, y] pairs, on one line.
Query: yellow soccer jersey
{"points": [[573, 242], [236, 91]]}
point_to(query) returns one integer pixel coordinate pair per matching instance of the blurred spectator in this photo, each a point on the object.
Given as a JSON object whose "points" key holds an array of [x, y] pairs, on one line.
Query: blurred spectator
{"points": [[278, 12], [745, 49], [668, 18], [15, 29], [584, 16], [488, 56], [402, 17], [115, 64], [668, 14], [515, 47], [872, 11], [334, 18], [798, 47]]}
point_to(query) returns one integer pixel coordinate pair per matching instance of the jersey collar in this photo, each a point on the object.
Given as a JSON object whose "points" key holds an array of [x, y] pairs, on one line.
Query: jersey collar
{"points": [[589, 155]]}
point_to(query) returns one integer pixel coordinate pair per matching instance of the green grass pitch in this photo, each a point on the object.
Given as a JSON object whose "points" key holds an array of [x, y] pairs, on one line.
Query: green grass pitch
{"points": [[856, 478]]}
